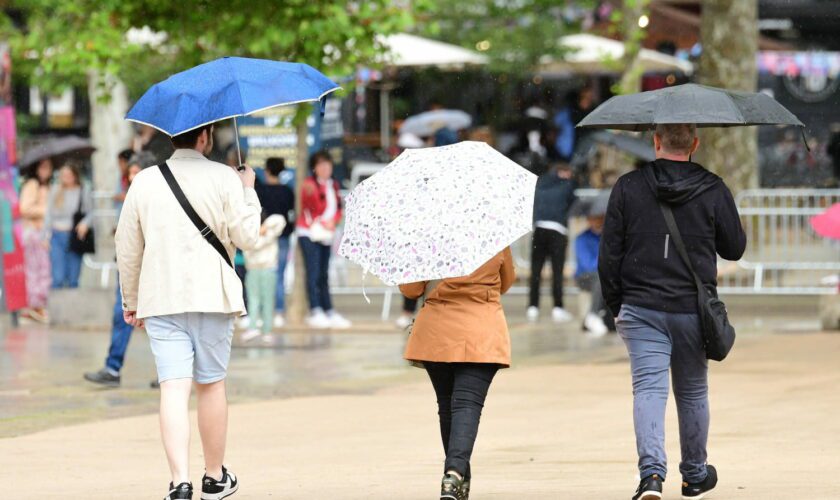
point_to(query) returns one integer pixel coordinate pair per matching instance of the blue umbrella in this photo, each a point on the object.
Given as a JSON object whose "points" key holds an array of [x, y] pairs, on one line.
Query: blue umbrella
{"points": [[227, 88]]}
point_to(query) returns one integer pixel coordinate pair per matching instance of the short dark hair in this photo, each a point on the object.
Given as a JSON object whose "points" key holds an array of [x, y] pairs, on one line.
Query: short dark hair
{"points": [[125, 154], [677, 137], [318, 157], [275, 165], [189, 138]]}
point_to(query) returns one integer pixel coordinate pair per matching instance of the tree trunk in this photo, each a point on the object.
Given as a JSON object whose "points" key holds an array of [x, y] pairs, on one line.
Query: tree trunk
{"points": [[110, 133], [729, 34], [631, 79], [298, 302]]}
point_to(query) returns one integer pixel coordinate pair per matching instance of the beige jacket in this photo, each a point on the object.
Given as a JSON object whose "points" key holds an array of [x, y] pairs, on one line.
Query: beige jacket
{"points": [[266, 253], [165, 265]]}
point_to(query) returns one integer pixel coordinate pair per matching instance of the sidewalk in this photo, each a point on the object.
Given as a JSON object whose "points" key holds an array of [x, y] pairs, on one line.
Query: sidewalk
{"points": [[548, 432]]}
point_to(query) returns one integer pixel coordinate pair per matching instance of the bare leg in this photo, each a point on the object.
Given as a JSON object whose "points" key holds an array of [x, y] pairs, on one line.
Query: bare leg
{"points": [[212, 424], [175, 426]]}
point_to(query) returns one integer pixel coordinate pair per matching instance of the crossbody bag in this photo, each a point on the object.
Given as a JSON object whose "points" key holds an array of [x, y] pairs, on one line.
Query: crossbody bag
{"points": [[203, 228]]}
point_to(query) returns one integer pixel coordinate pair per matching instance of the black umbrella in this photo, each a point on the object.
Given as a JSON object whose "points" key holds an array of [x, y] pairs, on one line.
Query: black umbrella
{"points": [[57, 147], [632, 145], [689, 103]]}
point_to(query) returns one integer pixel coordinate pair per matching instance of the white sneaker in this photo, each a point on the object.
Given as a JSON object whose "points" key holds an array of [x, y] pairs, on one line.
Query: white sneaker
{"points": [[250, 335], [594, 325], [317, 319], [403, 321], [279, 321], [243, 322], [338, 321], [560, 315], [533, 314]]}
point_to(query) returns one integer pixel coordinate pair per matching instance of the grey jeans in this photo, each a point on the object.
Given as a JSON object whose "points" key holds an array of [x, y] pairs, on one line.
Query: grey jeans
{"points": [[659, 341]]}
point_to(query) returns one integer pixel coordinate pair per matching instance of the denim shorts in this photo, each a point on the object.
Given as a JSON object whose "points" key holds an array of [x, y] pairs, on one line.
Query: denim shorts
{"points": [[191, 345]]}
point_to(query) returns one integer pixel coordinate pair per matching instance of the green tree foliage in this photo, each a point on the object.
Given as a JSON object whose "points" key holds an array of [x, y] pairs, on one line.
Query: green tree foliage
{"points": [[62, 41], [514, 34]]}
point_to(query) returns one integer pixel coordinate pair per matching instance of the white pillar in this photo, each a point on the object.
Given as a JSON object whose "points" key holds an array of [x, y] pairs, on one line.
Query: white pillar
{"points": [[110, 133]]}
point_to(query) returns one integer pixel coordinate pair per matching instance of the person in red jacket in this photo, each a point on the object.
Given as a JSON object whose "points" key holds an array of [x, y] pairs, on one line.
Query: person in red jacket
{"points": [[320, 214]]}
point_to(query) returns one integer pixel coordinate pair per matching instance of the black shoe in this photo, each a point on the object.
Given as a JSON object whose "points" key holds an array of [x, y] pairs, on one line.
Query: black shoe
{"points": [[696, 491], [154, 384], [103, 377], [216, 490], [452, 488], [182, 491], [650, 488]]}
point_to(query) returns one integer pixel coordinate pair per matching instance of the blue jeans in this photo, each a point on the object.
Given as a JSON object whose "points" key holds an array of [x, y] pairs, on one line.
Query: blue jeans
{"points": [[283, 259], [316, 258], [120, 335], [66, 265], [659, 341]]}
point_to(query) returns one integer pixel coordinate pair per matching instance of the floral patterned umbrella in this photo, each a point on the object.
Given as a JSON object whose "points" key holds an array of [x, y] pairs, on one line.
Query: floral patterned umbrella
{"points": [[437, 213]]}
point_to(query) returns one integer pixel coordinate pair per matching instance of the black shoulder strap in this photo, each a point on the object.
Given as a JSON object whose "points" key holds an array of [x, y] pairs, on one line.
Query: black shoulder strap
{"points": [[203, 228], [678, 242]]}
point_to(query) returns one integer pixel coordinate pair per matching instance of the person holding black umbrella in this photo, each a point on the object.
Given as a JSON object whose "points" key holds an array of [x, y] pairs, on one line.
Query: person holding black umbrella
{"points": [[651, 291]]}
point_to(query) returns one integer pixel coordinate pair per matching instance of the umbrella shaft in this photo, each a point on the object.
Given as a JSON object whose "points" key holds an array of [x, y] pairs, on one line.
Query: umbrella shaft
{"points": [[236, 139]]}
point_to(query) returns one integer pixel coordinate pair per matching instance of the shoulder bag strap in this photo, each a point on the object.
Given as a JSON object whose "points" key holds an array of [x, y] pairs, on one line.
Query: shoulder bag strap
{"points": [[203, 228], [680, 245]]}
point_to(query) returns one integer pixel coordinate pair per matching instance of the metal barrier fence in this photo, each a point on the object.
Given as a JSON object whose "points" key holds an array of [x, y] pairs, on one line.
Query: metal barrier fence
{"points": [[784, 255]]}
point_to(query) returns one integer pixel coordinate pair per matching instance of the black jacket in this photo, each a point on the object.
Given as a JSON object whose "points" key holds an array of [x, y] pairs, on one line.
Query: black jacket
{"points": [[278, 199], [553, 198], [638, 263]]}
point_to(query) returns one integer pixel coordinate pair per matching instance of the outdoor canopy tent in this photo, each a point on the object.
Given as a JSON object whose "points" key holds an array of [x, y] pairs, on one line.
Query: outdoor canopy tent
{"points": [[406, 50], [411, 51], [591, 54]]}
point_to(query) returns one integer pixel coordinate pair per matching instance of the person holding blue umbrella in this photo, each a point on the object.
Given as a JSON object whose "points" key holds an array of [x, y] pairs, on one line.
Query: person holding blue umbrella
{"points": [[183, 289]]}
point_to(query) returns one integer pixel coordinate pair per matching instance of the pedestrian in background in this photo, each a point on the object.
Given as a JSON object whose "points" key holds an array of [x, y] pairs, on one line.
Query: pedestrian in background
{"points": [[461, 338], [109, 375], [67, 198], [553, 199], [586, 269], [277, 198], [652, 292], [181, 284], [320, 214], [34, 199], [261, 278]]}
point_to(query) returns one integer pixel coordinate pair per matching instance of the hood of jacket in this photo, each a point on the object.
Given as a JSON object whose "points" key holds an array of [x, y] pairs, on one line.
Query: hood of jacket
{"points": [[677, 182]]}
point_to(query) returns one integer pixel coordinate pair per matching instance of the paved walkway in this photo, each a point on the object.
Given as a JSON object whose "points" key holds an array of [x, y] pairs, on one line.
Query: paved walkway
{"points": [[549, 432]]}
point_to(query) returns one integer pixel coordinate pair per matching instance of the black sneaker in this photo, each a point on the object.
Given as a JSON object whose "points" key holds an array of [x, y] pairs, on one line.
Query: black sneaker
{"points": [[650, 488], [180, 492], [216, 490], [695, 491], [452, 488], [103, 377]]}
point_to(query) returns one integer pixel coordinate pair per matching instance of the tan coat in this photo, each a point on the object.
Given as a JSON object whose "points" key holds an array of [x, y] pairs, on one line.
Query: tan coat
{"points": [[166, 266], [462, 319]]}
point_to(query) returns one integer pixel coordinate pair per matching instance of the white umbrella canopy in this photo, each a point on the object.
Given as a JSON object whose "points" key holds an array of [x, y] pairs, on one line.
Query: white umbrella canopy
{"points": [[437, 213], [425, 124], [589, 54]]}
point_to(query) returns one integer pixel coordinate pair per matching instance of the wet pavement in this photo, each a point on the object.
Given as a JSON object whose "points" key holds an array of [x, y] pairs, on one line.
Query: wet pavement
{"points": [[41, 368]]}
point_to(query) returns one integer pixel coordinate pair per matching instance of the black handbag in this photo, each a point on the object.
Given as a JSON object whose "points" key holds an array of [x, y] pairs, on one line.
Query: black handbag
{"points": [[78, 245], [718, 333]]}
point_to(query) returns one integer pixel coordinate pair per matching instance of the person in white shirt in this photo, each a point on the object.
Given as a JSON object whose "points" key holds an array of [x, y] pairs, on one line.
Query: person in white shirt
{"points": [[261, 278], [187, 294]]}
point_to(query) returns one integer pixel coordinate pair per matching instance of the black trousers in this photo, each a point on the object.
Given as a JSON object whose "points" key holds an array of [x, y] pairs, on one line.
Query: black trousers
{"points": [[547, 244], [461, 389], [409, 305]]}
